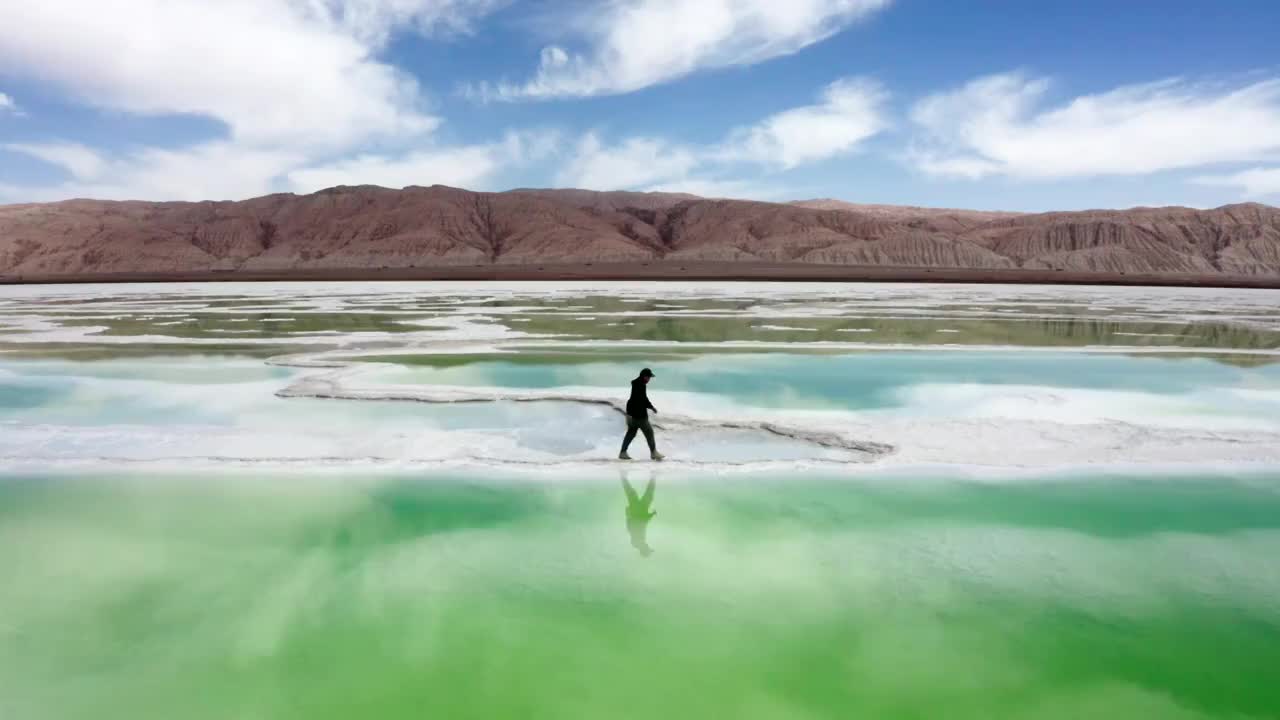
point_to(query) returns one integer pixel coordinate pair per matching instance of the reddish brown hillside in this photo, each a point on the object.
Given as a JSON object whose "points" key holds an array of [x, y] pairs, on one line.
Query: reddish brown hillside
{"points": [[368, 228]]}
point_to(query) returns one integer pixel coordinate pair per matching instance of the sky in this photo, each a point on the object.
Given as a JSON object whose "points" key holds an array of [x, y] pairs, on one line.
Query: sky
{"points": [[1029, 105]]}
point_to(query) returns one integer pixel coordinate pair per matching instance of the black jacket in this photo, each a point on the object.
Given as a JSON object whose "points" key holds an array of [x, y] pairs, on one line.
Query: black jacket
{"points": [[638, 404]]}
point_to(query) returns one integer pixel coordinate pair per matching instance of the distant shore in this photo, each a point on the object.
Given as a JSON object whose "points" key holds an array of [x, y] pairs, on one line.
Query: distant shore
{"points": [[664, 271]]}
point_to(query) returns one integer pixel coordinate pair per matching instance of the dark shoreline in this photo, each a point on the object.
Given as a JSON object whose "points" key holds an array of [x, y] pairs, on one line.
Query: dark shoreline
{"points": [[667, 271]]}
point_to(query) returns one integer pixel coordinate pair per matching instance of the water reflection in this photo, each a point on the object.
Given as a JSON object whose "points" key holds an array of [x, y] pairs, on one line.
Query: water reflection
{"points": [[639, 512]]}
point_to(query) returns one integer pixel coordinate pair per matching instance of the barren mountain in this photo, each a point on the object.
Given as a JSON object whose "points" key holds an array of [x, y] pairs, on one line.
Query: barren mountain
{"points": [[371, 228], [943, 219]]}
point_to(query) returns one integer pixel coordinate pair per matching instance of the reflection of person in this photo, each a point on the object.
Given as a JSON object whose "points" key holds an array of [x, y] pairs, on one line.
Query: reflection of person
{"points": [[639, 514], [638, 407]]}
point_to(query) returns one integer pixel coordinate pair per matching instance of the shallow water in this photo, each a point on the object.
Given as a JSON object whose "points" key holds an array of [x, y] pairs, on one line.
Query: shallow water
{"points": [[397, 500]]}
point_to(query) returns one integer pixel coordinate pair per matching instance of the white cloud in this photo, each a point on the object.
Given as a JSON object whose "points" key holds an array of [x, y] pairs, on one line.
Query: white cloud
{"points": [[7, 105], [215, 170], [993, 126], [294, 82], [279, 72], [470, 166], [306, 101], [633, 163], [1254, 182], [372, 20], [633, 44], [82, 162], [653, 165], [850, 112], [224, 170]]}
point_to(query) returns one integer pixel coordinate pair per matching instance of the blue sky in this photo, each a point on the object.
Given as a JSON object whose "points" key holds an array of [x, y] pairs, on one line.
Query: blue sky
{"points": [[1002, 104]]}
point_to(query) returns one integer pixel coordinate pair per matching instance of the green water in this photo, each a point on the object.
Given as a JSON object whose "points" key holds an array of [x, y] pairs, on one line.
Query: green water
{"points": [[334, 596]]}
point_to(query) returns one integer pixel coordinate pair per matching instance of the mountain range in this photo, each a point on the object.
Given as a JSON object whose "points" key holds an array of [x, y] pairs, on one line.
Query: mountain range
{"points": [[366, 229]]}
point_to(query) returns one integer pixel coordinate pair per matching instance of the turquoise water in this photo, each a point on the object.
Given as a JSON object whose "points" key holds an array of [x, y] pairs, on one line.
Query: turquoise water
{"points": [[862, 380], [210, 409]]}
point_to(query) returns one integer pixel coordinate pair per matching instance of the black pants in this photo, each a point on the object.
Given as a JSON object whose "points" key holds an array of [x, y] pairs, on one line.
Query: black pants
{"points": [[639, 423]]}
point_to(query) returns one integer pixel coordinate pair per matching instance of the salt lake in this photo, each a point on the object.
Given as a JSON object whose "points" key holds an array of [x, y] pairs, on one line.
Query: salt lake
{"points": [[324, 500]]}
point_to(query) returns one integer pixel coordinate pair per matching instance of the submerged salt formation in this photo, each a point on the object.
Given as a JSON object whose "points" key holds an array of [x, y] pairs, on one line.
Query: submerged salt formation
{"points": [[980, 380]]}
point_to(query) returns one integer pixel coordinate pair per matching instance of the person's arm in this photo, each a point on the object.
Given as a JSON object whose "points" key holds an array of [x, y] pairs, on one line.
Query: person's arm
{"points": [[649, 403]]}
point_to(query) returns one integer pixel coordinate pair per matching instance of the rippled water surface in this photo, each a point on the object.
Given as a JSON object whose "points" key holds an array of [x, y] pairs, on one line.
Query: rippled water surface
{"points": [[400, 500]]}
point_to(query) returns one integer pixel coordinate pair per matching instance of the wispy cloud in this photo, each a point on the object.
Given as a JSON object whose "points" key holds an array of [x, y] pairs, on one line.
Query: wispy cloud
{"points": [[630, 164], [7, 105], [1254, 183], [372, 21], [995, 125], [82, 162], [213, 170], [633, 44], [849, 112], [471, 166]]}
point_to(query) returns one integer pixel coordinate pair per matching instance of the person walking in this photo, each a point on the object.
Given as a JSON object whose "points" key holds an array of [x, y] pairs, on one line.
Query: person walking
{"points": [[638, 407]]}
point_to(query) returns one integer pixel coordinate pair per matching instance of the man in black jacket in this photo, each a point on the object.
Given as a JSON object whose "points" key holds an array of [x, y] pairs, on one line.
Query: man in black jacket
{"points": [[638, 407]]}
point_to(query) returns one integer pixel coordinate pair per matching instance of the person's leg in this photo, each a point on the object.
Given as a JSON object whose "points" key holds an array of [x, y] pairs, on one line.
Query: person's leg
{"points": [[631, 434], [632, 498], [647, 499], [647, 429]]}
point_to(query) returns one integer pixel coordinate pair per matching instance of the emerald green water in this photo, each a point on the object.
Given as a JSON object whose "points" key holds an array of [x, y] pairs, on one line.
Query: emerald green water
{"points": [[326, 595]]}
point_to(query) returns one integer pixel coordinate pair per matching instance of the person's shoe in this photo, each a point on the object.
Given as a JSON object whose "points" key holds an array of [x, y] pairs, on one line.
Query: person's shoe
{"points": [[623, 456], [658, 456]]}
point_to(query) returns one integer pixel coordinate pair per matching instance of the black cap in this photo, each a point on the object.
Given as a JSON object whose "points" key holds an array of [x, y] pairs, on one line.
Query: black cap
{"points": [[646, 373]]}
